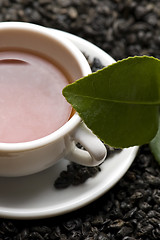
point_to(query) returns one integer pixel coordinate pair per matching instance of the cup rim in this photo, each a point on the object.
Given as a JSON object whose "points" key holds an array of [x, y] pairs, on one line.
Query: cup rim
{"points": [[85, 68]]}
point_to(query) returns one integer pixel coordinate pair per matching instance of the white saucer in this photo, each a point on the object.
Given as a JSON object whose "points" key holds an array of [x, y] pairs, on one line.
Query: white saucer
{"points": [[34, 196]]}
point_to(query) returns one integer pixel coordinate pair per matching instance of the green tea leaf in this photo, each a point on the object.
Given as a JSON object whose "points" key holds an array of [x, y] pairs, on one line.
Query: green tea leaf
{"points": [[155, 145], [120, 103]]}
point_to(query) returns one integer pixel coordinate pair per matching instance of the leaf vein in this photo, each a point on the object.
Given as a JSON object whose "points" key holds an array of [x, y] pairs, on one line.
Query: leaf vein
{"points": [[118, 100]]}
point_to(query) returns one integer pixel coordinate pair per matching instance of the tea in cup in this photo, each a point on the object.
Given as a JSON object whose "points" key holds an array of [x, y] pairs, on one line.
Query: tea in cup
{"points": [[38, 126], [31, 103]]}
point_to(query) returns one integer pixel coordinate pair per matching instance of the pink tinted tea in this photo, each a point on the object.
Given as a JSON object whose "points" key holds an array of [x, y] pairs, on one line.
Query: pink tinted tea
{"points": [[31, 101]]}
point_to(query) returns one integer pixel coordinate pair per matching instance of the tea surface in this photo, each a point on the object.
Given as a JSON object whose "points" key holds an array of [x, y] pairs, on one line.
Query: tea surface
{"points": [[31, 101]]}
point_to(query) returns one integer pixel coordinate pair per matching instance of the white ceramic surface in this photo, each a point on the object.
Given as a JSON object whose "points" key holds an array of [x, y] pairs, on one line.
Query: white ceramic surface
{"points": [[34, 196]]}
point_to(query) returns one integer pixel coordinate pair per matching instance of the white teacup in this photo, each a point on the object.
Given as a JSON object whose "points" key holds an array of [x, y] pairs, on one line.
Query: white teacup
{"points": [[19, 159]]}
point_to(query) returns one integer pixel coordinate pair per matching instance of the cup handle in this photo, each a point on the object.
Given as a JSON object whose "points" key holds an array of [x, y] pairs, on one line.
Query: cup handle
{"points": [[95, 152]]}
